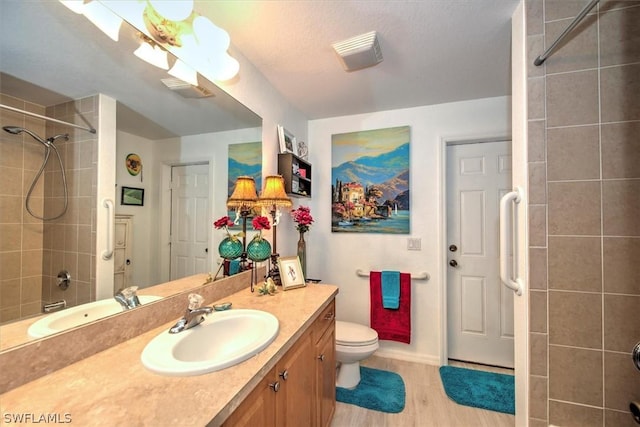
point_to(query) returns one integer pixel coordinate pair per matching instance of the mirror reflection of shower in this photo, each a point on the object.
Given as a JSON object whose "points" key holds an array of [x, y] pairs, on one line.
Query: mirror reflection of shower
{"points": [[48, 146]]}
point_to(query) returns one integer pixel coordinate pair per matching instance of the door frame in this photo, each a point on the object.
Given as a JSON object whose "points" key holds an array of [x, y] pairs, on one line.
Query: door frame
{"points": [[449, 143], [520, 309], [165, 213], [442, 253]]}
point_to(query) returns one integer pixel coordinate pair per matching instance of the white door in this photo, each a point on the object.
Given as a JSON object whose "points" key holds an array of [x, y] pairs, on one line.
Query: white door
{"points": [[122, 268], [479, 308], [190, 223]]}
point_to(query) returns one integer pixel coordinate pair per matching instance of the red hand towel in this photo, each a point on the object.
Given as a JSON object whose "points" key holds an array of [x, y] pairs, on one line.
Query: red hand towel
{"points": [[393, 325]]}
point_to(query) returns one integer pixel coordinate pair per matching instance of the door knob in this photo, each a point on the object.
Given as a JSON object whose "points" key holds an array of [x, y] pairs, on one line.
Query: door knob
{"points": [[128, 262], [453, 263], [453, 248]]}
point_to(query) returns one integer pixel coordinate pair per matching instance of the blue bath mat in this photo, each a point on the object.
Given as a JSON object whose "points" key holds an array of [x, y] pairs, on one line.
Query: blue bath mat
{"points": [[480, 389], [378, 390]]}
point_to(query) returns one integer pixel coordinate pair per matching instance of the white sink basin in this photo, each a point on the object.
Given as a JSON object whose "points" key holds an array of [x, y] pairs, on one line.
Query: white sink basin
{"points": [[224, 339], [79, 315]]}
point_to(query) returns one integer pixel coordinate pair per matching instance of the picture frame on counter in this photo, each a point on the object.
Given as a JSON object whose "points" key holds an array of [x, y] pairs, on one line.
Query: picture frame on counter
{"points": [[291, 274]]}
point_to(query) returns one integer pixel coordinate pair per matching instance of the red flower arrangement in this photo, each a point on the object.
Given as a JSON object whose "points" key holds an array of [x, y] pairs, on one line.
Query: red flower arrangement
{"points": [[260, 223], [303, 219], [225, 222]]}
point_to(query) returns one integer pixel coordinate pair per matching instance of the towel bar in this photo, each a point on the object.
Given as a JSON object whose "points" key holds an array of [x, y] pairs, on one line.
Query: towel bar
{"points": [[421, 276]]}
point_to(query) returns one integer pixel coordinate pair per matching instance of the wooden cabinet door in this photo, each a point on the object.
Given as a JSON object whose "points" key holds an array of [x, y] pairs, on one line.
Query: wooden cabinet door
{"points": [[296, 397], [326, 378], [259, 408]]}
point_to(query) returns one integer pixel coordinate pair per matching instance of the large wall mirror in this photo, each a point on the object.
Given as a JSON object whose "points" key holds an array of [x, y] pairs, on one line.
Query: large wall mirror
{"points": [[54, 62]]}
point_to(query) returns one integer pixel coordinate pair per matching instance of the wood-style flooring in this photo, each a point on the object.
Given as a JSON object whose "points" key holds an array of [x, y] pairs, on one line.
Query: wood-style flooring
{"points": [[427, 404]]}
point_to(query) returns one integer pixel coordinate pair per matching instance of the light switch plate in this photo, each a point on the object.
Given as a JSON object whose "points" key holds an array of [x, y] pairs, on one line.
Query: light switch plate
{"points": [[414, 244]]}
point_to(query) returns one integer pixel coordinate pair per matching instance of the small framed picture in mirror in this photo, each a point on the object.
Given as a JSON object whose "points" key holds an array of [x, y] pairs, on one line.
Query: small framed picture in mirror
{"points": [[132, 196], [287, 141], [290, 273]]}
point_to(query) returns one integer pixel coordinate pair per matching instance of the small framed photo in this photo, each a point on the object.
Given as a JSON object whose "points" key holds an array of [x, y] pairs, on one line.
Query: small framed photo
{"points": [[287, 141], [290, 273], [302, 150], [132, 196]]}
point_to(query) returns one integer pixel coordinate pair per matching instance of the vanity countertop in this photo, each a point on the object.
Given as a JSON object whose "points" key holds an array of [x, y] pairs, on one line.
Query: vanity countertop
{"points": [[113, 388]]}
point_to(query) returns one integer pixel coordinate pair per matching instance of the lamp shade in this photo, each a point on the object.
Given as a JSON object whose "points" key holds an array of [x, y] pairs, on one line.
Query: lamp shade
{"points": [[244, 194], [273, 193]]}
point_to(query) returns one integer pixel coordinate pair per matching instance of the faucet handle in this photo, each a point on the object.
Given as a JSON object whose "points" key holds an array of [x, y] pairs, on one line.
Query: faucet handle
{"points": [[128, 292], [195, 301]]}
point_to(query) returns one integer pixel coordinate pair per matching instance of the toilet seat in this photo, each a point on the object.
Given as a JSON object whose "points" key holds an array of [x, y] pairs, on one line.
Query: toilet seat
{"points": [[354, 335]]}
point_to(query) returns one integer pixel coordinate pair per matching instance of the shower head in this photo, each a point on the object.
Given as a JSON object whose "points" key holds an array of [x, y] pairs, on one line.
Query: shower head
{"points": [[62, 135], [13, 129], [17, 130]]}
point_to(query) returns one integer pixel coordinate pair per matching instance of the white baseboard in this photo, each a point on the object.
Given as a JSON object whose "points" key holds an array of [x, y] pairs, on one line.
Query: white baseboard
{"points": [[409, 357]]}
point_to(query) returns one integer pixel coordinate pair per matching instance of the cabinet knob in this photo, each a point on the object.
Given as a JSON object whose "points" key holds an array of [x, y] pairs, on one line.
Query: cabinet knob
{"points": [[284, 374], [275, 386], [328, 316], [321, 358]]}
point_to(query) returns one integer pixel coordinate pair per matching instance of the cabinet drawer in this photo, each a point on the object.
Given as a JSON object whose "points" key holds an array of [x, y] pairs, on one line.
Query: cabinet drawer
{"points": [[325, 320]]}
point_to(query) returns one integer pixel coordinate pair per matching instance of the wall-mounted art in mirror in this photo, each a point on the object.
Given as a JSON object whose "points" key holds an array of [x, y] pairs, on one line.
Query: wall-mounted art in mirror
{"points": [[132, 196], [167, 128]]}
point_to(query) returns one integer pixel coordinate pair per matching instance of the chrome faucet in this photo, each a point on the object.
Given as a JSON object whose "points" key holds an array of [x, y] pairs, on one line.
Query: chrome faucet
{"points": [[127, 297], [193, 316]]}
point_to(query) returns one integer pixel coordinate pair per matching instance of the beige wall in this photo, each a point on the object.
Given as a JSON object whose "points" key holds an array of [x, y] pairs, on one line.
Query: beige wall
{"points": [[584, 214], [32, 252]]}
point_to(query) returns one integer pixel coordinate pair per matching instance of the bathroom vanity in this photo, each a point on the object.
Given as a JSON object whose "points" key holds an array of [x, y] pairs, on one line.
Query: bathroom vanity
{"points": [[112, 387]]}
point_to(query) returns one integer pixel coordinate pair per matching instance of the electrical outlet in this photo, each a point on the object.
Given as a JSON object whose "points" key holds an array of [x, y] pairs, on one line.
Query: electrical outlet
{"points": [[414, 244]]}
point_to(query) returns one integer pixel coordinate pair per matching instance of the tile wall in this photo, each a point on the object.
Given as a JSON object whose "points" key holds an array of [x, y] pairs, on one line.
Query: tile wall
{"points": [[20, 234], [69, 242], [584, 213], [32, 252]]}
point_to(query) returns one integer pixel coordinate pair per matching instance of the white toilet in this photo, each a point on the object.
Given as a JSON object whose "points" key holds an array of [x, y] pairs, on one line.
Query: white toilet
{"points": [[354, 343]]}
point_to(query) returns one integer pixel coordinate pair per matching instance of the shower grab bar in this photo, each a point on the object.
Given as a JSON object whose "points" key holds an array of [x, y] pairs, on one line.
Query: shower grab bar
{"points": [[421, 276], [50, 119], [540, 59], [508, 238], [108, 253]]}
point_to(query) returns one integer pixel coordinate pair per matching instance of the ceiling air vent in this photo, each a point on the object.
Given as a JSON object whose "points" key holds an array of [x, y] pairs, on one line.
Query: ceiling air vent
{"points": [[185, 89], [359, 52]]}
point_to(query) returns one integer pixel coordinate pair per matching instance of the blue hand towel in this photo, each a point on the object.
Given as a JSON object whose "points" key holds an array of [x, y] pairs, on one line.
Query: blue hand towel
{"points": [[390, 289], [234, 267]]}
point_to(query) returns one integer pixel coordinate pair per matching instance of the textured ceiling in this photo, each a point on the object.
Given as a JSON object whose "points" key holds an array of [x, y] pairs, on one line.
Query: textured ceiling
{"points": [[434, 51]]}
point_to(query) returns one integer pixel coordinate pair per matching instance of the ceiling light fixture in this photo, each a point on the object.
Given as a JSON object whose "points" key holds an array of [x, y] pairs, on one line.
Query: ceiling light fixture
{"points": [[108, 22], [173, 10], [152, 53], [103, 18], [359, 52], [175, 26]]}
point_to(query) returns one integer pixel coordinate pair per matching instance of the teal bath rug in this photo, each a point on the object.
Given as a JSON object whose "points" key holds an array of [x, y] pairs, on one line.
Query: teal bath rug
{"points": [[378, 390], [480, 389]]}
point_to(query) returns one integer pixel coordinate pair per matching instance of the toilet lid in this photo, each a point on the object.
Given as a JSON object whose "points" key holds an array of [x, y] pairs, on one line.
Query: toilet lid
{"points": [[353, 334]]}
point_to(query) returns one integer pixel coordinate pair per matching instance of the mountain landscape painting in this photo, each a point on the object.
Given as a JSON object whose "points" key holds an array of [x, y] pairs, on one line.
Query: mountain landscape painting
{"points": [[245, 160], [370, 181]]}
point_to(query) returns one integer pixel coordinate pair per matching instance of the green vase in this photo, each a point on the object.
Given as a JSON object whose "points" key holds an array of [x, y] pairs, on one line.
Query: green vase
{"points": [[258, 249], [230, 248]]}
